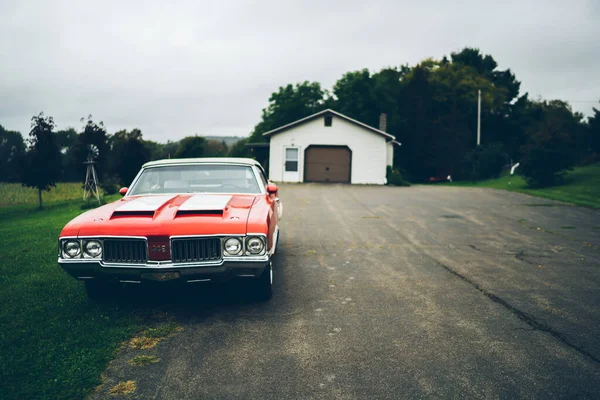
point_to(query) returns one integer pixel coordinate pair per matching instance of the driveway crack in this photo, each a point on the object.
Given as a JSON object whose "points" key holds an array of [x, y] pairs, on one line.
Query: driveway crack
{"points": [[523, 316]]}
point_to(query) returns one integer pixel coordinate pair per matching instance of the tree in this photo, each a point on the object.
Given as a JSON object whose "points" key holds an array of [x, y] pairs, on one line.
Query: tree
{"points": [[169, 149], [500, 90], [41, 167], [357, 97], [594, 126], [511, 129], [239, 149], [472, 57], [288, 104], [92, 133], [485, 66], [214, 148], [66, 140], [365, 96], [484, 162], [159, 151], [417, 108], [388, 87], [12, 149], [432, 110], [551, 148], [436, 111], [191, 147], [128, 154]]}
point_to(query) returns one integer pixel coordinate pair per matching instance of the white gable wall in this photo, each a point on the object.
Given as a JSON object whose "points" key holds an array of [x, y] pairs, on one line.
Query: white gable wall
{"points": [[370, 152]]}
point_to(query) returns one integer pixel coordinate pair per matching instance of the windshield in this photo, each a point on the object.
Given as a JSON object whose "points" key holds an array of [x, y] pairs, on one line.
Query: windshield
{"points": [[196, 179]]}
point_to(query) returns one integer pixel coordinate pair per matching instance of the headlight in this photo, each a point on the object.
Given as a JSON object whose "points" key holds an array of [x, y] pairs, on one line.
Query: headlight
{"points": [[72, 249], [92, 248], [233, 246], [255, 245]]}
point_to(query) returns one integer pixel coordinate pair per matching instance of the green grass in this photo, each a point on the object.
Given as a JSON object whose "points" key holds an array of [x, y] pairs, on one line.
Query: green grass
{"points": [[53, 342], [581, 186], [15, 193], [16, 199]]}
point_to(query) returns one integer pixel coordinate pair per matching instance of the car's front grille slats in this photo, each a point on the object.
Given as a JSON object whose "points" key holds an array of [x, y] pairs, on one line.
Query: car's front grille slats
{"points": [[183, 250], [196, 249], [125, 251]]}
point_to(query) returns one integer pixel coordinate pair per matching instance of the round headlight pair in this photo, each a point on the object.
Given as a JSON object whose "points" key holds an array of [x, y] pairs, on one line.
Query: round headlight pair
{"points": [[254, 245], [91, 248]]}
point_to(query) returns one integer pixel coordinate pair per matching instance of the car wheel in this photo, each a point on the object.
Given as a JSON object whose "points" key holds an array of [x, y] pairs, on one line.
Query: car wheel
{"points": [[264, 284], [101, 290]]}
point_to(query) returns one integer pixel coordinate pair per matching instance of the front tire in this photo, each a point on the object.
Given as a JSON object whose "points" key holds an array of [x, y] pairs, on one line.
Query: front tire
{"points": [[264, 284], [100, 291]]}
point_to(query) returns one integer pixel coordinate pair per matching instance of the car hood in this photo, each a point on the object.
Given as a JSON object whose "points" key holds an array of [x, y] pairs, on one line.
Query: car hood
{"points": [[165, 216]]}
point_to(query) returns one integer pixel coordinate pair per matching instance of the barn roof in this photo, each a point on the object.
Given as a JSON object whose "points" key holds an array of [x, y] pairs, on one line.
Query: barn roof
{"points": [[332, 112]]}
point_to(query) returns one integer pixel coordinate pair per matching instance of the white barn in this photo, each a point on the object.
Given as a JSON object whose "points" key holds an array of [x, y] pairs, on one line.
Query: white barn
{"points": [[330, 147]]}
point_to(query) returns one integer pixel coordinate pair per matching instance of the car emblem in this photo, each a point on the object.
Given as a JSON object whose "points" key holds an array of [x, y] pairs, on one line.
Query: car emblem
{"points": [[159, 248]]}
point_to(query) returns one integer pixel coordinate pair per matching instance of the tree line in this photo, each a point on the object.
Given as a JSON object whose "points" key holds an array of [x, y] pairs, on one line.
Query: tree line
{"points": [[49, 155], [431, 108]]}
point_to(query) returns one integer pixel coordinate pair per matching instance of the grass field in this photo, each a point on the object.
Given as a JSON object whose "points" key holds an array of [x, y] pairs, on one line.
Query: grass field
{"points": [[581, 186], [16, 194], [53, 342]]}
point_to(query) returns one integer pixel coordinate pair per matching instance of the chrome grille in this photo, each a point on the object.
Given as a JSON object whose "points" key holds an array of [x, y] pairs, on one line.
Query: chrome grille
{"points": [[196, 249], [125, 251]]}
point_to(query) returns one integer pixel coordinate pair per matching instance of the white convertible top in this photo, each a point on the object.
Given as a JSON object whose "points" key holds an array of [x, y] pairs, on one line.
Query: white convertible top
{"points": [[213, 160]]}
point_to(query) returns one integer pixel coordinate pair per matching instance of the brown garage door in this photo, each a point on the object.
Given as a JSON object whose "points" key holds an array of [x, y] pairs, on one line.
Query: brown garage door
{"points": [[327, 164]]}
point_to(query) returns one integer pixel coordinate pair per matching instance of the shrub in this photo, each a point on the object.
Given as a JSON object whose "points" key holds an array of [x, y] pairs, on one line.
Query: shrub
{"points": [[551, 148], [484, 162], [545, 167], [109, 186], [394, 177]]}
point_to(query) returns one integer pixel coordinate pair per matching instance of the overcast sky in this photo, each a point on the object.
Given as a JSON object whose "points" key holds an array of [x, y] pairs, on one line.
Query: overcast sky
{"points": [[178, 68]]}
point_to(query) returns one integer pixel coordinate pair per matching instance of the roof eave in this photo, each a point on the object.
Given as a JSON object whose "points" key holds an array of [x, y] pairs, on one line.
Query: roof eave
{"points": [[329, 110]]}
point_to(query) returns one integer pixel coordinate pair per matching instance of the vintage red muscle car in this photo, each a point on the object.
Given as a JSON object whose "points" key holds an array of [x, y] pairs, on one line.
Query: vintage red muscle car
{"points": [[194, 220]]}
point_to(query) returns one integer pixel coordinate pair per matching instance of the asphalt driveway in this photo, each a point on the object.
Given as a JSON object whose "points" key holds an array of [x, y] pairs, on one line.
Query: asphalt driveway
{"points": [[387, 293]]}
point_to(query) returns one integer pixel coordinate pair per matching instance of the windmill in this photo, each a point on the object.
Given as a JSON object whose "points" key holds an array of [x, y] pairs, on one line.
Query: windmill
{"points": [[90, 188]]}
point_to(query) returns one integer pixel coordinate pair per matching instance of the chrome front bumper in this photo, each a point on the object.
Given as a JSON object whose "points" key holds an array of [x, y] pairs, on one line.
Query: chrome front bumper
{"points": [[222, 270]]}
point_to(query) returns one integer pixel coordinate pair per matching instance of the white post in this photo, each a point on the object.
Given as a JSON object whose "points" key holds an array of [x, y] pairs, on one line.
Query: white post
{"points": [[478, 118]]}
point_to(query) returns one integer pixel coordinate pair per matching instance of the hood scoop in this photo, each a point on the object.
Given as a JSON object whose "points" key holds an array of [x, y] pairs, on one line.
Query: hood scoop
{"points": [[204, 204], [126, 213], [199, 212], [141, 206]]}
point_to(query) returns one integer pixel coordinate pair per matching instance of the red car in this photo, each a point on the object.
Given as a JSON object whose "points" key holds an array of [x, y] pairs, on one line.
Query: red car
{"points": [[192, 220]]}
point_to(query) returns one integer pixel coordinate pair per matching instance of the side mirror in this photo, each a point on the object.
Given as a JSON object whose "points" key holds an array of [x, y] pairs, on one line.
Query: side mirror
{"points": [[123, 191], [272, 188]]}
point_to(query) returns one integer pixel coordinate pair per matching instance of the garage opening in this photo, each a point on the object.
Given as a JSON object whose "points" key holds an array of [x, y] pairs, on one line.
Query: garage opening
{"points": [[327, 164]]}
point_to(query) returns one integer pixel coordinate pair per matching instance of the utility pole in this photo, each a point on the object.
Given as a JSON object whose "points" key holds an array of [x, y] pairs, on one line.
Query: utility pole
{"points": [[478, 118]]}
